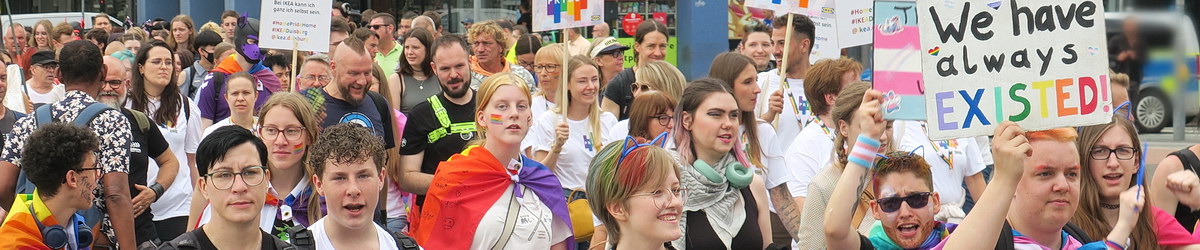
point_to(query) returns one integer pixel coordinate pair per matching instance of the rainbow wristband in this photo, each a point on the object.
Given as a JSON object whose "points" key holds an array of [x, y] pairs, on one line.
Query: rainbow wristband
{"points": [[1114, 244], [864, 151]]}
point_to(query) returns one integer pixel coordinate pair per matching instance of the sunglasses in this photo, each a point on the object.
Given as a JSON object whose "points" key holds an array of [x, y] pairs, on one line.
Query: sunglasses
{"points": [[915, 200], [377, 26]]}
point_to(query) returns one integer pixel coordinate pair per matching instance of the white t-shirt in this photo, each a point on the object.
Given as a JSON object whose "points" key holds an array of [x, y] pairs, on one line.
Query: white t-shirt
{"points": [[810, 152], [578, 150], [227, 122], [56, 94], [769, 158], [947, 181], [536, 227], [321, 238], [183, 137], [618, 132], [985, 149], [539, 105], [786, 123]]}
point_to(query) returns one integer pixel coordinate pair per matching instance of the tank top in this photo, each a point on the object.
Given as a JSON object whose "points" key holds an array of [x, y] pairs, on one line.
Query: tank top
{"points": [[417, 91], [1184, 214]]}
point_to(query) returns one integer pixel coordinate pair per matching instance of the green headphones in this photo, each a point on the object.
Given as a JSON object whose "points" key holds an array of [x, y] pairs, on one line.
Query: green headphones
{"points": [[736, 174]]}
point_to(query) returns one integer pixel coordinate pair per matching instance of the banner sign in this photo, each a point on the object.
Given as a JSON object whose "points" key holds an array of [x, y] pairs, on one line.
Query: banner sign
{"points": [[854, 21], [897, 63], [304, 21], [562, 14], [1043, 64]]}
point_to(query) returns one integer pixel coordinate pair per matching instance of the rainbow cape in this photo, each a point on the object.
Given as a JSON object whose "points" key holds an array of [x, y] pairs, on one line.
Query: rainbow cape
{"points": [[465, 187]]}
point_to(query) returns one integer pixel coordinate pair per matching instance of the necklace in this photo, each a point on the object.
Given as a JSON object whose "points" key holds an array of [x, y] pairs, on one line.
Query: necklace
{"points": [[421, 84], [1109, 206]]}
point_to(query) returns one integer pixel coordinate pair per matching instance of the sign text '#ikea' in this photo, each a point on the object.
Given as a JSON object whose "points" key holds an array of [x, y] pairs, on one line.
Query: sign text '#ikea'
{"points": [[1043, 64]]}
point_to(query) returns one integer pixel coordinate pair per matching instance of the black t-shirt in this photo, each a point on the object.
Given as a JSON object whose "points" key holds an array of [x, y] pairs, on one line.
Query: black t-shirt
{"points": [[366, 113], [268, 241], [619, 91], [10, 118], [422, 121], [143, 148], [864, 243]]}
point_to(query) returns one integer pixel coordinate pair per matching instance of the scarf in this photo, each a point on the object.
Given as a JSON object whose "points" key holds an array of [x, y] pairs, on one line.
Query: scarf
{"points": [[880, 240], [722, 204], [466, 186], [478, 69]]}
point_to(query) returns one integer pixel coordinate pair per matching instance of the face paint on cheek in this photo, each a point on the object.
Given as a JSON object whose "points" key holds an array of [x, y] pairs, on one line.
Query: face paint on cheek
{"points": [[495, 119], [299, 148]]}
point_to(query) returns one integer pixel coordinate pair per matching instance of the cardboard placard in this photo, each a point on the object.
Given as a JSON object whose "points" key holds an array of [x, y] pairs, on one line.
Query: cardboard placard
{"points": [[1043, 64], [854, 22], [562, 14], [306, 22]]}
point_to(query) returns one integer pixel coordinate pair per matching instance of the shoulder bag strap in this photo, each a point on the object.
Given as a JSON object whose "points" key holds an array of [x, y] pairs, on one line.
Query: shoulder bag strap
{"points": [[510, 222]]}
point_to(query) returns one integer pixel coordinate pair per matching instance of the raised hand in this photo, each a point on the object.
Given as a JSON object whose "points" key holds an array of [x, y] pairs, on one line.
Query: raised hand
{"points": [[868, 119], [775, 102], [561, 133], [1186, 187], [1010, 149]]}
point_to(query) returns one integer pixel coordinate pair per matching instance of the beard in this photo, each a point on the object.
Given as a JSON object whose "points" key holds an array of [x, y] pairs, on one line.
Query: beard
{"points": [[112, 99], [462, 91], [345, 94]]}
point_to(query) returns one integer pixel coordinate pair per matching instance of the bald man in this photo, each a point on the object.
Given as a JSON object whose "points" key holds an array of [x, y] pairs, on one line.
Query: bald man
{"points": [[149, 142], [347, 99], [426, 23], [600, 31]]}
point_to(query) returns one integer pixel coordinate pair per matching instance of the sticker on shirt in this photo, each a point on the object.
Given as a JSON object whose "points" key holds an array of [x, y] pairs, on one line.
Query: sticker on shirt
{"points": [[135, 147], [358, 118]]}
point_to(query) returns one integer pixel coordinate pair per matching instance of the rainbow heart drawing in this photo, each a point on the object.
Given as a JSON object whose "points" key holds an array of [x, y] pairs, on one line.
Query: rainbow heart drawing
{"points": [[935, 50]]}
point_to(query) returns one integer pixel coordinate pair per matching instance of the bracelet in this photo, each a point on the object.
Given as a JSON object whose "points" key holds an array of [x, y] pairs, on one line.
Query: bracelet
{"points": [[864, 151], [1114, 244], [158, 190]]}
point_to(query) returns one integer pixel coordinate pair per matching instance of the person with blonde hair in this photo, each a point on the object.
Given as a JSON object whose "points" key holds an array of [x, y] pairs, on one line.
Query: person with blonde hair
{"points": [[667, 82], [547, 64], [489, 43], [41, 36], [498, 175]]}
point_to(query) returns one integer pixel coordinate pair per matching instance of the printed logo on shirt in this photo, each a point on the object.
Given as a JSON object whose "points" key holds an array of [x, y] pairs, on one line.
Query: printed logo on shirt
{"points": [[135, 147], [587, 143], [358, 118]]}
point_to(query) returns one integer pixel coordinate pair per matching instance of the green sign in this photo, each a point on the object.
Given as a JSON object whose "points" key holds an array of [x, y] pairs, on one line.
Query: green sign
{"points": [[629, 58]]}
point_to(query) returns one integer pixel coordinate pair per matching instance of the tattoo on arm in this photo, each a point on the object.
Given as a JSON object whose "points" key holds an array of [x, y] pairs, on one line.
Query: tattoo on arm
{"points": [[785, 207]]}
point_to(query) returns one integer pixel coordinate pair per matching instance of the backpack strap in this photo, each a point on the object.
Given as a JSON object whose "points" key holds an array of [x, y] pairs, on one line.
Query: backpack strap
{"points": [[88, 114], [385, 114], [1005, 241], [42, 115], [1076, 232], [1187, 158], [143, 122], [443, 118], [405, 242], [191, 81], [301, 237], [510, 223]]}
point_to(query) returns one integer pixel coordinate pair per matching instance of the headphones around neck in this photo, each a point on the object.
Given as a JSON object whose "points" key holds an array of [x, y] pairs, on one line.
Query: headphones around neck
{"points": [[738, 175], [56, 237]]}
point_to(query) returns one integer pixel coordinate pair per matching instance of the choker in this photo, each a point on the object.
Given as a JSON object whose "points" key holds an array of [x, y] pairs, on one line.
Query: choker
{"points": [[1109, 206]]}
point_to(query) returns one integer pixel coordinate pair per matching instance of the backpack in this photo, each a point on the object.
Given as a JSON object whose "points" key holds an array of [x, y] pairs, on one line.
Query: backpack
{"points": [[302, 238], [188, 240], [43, 116]]}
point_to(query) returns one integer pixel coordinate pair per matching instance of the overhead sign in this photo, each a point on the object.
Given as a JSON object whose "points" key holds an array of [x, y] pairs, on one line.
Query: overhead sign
{"points": [[300, 23], [1042, 64], [562, 14]]}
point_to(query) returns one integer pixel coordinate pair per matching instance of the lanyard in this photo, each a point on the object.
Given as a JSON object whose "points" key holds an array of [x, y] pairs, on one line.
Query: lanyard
{"points": [[799, 108], [944, 148], [817, 119]]}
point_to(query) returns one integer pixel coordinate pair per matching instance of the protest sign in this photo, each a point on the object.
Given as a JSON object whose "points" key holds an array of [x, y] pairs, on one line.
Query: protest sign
{"points": [[897, 60], [803, 7], [304, 22], [562, 14], [854, 21], [825, 43], [1042, 64]]}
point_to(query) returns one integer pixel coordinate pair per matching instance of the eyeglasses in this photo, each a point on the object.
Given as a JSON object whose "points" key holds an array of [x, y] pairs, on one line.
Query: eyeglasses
{"points": [[252, 176], [548, 68], [89, 169], [662, 197], [1123, 153], [290, 134], [48, 66], [639, 87], [114, 83], [377, 26], [660, 140], [663, 119], [915, 200], [322, 78]]}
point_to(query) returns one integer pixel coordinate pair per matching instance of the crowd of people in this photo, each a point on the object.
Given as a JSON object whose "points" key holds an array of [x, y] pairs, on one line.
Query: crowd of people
{"points": [[404, 136]]}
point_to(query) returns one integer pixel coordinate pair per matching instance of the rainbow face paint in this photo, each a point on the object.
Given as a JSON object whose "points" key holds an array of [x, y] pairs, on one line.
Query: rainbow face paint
{"points": [[299, 148], [495, 119]]}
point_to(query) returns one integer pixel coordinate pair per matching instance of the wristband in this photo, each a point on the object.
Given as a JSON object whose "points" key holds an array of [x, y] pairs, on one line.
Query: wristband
{"points": [[158, 190], [864, 151], [1114, 244]]}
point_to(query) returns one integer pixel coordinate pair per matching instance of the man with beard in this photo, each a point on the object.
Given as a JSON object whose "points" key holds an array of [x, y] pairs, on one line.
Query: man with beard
{"points": [[347, 99], [146, 142], [441, 126]]}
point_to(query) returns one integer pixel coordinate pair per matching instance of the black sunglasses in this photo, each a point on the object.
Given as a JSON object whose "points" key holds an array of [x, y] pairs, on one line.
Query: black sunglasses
{"points": [[915, 200]]}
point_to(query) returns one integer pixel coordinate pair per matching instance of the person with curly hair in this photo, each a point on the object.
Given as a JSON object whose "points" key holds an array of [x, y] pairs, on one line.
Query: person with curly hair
{"points": [[347, 163], [60, 160]]}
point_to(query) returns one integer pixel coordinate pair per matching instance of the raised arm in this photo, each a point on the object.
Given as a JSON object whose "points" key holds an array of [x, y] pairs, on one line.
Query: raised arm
{"points": [[868, 126], [982, 226]]}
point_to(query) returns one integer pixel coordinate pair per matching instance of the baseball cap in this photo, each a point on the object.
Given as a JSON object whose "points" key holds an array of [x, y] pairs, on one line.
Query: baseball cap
{"points": [[607, 45]]}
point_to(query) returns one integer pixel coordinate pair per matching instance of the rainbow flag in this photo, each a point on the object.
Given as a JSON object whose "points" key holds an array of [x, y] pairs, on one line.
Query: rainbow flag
{"points": [[495, 119], [574, 8]]}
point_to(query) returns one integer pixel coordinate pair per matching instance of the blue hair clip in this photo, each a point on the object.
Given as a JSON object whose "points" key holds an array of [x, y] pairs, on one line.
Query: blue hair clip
{"points": [[914, 151], [659, 141], [1127, 107]]}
